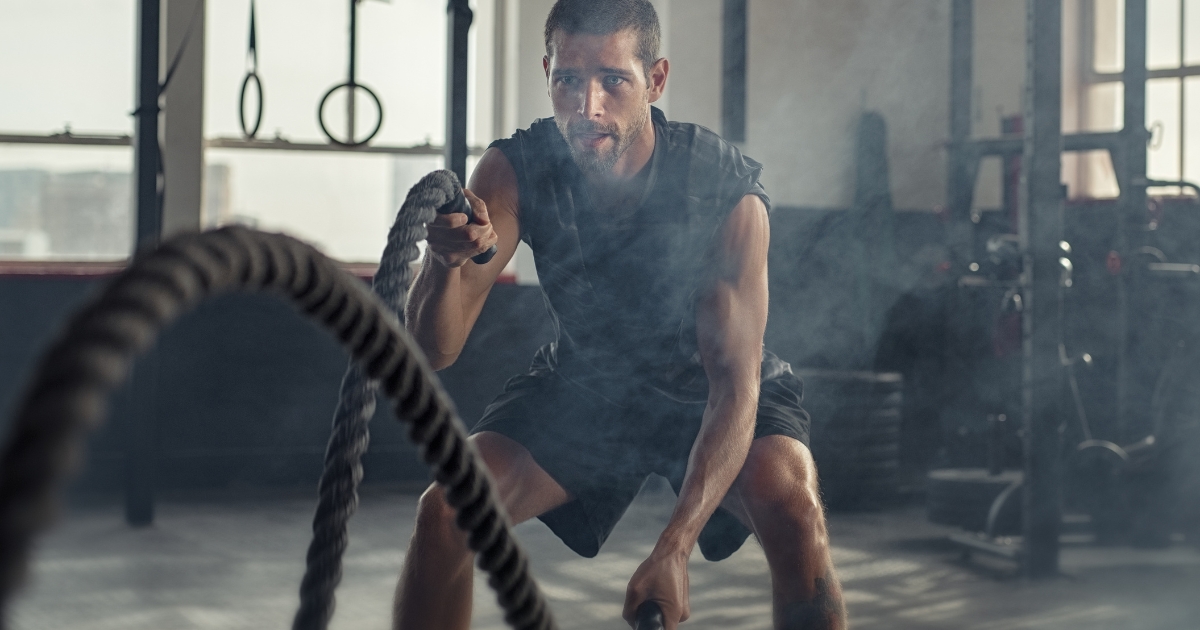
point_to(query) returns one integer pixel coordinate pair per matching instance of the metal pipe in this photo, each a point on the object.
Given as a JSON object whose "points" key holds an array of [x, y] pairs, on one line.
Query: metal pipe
{"points": [[139, 433], [1131, 176], [1041, 232], [351, 73], [733, 71], [458, 24]]}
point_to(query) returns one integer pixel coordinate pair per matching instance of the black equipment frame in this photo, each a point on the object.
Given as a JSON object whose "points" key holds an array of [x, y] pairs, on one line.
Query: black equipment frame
{"points": [[1041, 226]]}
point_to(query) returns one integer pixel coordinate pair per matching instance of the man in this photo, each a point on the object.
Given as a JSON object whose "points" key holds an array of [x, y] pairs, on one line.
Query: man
{"points": [[650, 239]]}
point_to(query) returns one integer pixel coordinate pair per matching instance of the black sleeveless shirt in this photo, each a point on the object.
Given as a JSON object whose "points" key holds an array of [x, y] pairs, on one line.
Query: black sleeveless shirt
{"points": [[621, 288]]}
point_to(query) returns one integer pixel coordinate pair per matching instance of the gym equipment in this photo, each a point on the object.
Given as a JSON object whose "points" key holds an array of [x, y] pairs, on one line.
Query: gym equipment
{"points": [[975, 499], [91, 357], [352, 86], [649, 617], [251, 74], [855, 434]]}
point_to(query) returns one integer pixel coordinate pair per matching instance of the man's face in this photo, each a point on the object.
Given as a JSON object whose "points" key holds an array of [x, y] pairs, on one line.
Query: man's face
{"points": [[601, 95]]}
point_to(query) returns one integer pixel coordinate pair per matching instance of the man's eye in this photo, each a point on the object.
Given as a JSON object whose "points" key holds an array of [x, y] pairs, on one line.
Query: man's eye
{"points": [[567, 80], [613, 80]]}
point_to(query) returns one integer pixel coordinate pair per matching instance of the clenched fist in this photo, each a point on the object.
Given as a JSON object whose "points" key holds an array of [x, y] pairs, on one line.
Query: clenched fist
{"points": [[453, 241]]}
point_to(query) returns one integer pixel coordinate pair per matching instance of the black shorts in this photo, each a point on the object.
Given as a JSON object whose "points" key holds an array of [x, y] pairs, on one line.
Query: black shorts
{"points": [[601, 448]]}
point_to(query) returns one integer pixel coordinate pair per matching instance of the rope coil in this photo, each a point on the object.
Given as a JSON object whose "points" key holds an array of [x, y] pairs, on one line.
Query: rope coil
{"points": [[67, 397]]}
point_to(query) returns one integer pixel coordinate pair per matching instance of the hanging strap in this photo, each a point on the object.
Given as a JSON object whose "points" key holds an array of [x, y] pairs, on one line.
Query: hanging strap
{"points": [[252, 51]]}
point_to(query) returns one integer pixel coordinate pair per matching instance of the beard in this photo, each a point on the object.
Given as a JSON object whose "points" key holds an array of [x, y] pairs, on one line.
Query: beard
{"points": [[600, 161]]}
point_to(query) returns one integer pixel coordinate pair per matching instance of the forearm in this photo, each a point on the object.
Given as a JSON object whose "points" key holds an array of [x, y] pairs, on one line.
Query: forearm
{"points": [[717, 457], [435, 315]]}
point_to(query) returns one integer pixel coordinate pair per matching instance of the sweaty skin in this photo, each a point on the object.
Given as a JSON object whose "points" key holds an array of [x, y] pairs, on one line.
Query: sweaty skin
{"points": [[601, 95]]}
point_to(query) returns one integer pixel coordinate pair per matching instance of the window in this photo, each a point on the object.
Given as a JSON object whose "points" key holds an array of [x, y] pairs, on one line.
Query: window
{"points": [[67, 65], [1173, 88], [72, 65]]}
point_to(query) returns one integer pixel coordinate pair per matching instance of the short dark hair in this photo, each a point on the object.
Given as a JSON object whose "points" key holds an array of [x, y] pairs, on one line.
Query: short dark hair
{"points": [[604, 17]]}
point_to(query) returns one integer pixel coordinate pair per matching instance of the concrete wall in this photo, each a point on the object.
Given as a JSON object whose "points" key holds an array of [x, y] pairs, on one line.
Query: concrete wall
{"points": [[814, 67], [247, 387]]}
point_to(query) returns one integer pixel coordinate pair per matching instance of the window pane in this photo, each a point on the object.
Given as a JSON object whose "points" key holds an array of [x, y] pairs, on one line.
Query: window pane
{"points": [[1105, 107], [1096, 177], [303, 51], [54, 51], [1109, 52], [1191, 138], [1191, 44], [65, 202], [1162, 118], [342, 203], [1162, 34]]}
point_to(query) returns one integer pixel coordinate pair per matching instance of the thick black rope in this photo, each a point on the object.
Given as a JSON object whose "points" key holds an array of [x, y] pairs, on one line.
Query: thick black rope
{"points": [[68, 395], [356, 405]]}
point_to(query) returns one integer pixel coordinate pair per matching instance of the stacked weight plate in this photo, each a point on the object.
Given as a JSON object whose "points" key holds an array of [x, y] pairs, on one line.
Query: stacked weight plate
{"points": [[855, 435]]}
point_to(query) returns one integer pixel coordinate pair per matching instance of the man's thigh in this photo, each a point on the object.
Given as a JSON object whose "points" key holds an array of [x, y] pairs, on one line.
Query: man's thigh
{"points": [[524, 487]]}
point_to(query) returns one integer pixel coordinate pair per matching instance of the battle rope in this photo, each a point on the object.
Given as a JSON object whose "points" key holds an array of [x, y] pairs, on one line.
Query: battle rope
{"points": [[356, 405], [68, 395]]}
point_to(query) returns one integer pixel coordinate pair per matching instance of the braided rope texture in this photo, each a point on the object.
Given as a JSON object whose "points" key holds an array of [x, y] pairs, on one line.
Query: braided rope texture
{"points": [[68, 395]]}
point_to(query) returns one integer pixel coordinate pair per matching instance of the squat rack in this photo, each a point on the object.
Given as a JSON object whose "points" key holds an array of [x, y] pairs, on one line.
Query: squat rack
{"points": [[1040, 218]]}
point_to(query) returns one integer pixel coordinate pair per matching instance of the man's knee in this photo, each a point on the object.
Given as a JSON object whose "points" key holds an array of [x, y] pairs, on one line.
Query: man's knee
{"points": [[779, 480], [435, 517]]}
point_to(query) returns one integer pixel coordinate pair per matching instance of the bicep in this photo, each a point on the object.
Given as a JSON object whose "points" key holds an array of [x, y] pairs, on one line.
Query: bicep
{"points": [[731, 315]]}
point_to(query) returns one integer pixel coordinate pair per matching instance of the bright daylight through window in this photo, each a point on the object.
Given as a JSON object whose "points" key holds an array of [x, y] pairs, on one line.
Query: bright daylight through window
{"points": [[68, 197]]}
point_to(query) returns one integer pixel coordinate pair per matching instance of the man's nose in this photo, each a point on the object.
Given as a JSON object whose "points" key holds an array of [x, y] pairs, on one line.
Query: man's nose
{"points": [[593, 100]]}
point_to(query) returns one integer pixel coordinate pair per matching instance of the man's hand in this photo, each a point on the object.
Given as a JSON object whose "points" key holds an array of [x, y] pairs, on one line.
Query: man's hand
{"points": [[453, 241], [662, 578]]}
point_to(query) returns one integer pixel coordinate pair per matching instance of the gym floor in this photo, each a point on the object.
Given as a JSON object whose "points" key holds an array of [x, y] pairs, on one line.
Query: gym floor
{"points": [[234, 562]]}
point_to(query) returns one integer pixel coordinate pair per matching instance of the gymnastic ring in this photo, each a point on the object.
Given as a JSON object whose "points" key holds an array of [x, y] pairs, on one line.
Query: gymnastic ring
{"points": [[350, 142], [250, 133]]}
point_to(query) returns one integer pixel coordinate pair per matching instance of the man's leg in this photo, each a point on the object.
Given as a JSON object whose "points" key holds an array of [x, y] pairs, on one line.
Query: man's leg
{"points": [[776, 496], [435, 583]]}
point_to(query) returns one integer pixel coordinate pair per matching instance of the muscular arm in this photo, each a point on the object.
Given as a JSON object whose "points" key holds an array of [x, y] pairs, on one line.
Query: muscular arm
{"points": [[730, 319], [450, 290]]}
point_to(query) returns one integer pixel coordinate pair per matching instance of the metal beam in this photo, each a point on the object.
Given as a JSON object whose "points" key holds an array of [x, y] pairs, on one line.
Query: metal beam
{"points": [[329, 147], [277, 144], [139, 434], [183, 117], [1131, 176], [1041, 232], [459, 17], [962, 34], [962, 166], [146, 158], [733, 71]]}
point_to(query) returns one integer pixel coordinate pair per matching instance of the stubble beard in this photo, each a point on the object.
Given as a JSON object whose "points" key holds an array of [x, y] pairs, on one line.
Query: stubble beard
{"points": [[602, 161]]}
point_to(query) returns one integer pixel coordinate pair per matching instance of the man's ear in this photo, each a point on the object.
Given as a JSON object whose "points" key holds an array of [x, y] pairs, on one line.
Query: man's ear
{"points": [[546, 67], [657, 78]]}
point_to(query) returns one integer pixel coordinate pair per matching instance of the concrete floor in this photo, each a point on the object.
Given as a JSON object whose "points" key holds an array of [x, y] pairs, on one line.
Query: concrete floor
{"points": [[235, 563]]}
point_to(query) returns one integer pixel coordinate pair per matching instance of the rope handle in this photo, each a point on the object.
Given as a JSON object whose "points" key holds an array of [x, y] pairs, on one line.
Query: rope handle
{"points": [[649, 617], [460, 204]]}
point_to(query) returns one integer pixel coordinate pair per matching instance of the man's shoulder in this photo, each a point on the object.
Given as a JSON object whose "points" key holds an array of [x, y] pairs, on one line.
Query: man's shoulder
{"points": [[534, 151], [540, 132], [705, 160]]}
